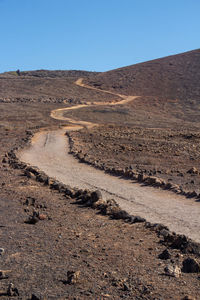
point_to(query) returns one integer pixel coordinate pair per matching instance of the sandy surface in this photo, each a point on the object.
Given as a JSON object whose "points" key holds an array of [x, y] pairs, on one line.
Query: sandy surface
{"points": [[49, 152]]}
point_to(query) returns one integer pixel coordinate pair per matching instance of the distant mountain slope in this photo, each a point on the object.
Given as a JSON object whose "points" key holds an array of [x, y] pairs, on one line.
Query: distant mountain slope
{"points": [[46, 86], [171, 77], [58, 73], [49, 73]]}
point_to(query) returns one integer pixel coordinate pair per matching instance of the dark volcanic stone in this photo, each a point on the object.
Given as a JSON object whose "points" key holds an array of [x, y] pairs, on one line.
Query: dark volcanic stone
{"points": [[190, 265], [95, 196], [164, 255]]}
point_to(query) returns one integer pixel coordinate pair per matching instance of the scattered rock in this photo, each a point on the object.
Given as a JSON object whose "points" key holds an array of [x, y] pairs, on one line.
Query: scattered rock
{"points": [[164, 255], [58, 186], [4, 160], [150, 180], [136, 219], [117, 213], [141, 177], [3, 275], [12, 290], [30, 201], [190, 265], [101, 205], [173, 271], [96, 196], [188, 298], [165, 233], [72, 277], [42, 217], [42, 177], [181, 242], [34, 297], [33, 219], [1, 251], [68, 191], [193, 170], [33, 170], [29, 174]]}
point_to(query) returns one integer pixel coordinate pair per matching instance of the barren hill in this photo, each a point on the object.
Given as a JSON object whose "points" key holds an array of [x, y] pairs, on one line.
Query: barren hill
{"points": [[171, 77]]}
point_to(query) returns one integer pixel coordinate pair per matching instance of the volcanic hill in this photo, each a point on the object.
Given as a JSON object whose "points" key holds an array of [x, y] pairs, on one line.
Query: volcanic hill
{"points": [[171, 77]]}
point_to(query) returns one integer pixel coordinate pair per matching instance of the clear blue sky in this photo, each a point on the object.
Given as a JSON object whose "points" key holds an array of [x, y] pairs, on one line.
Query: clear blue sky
{"points": [[96, 35]]}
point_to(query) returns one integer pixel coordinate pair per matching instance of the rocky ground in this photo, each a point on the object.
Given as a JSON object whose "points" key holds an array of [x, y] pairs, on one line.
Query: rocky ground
{"points": [[172, 155], [71, 251], [174, 77], [46, 87]]}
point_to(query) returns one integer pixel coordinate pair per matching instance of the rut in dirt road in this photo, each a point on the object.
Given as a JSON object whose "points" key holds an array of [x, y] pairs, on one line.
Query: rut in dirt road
{"points": [[49, 152]]}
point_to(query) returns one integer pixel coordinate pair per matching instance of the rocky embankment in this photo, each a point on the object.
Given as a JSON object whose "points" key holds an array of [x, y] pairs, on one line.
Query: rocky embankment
{"points": [[94, 199], [130, 173], [138, 260]]}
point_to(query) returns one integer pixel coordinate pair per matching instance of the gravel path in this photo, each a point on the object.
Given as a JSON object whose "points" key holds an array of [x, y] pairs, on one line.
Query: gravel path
{"points": [[49, 152]]}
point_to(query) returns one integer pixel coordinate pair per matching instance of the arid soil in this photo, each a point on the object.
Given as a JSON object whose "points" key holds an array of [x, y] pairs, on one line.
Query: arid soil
{"points": [[116, 260], [164, 153], [157, 206], [174, 77], [73, 252], [158, 132], [48, 88]]}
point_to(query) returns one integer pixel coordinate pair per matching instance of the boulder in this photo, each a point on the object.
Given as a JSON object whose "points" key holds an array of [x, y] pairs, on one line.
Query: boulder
{"points": [[141, 177], [136, 219], [29, 174], [3, 275], [33, 170], [117, 213], [152, 181], [101, 205], [193, 170], [164, 255], [72, 277], [42, 177], [4, 160], [1, 251], [68, 191], [12, 290], [96, 196], [190, 265], [173, 271], [58, 186]]}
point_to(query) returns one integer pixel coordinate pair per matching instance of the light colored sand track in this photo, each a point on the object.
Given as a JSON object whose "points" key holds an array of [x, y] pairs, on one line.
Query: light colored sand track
{"points": [[59, 114], [49, 152]]}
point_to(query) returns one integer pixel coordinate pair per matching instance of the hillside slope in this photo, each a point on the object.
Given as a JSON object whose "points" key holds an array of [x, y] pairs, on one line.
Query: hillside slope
{"points": [[46, 86], [171, 77]]}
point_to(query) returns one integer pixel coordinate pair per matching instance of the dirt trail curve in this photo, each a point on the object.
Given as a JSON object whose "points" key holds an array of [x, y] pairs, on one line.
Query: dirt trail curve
{"points": [[59, 113], [49, 152]]}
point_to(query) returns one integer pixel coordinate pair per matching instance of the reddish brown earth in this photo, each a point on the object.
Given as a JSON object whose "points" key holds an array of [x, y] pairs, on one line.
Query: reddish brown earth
{"points": [[167, 154], [169, 78], [46, 87], [157, 133], [116, 260]]}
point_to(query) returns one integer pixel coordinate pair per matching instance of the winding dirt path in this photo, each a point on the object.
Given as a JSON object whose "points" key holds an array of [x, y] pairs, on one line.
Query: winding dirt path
{"points": [[59, 113], [49, 152]]}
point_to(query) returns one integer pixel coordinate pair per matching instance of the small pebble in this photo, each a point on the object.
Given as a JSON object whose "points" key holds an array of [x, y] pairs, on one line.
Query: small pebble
{"points": [[1, 251], [3, 275]]}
